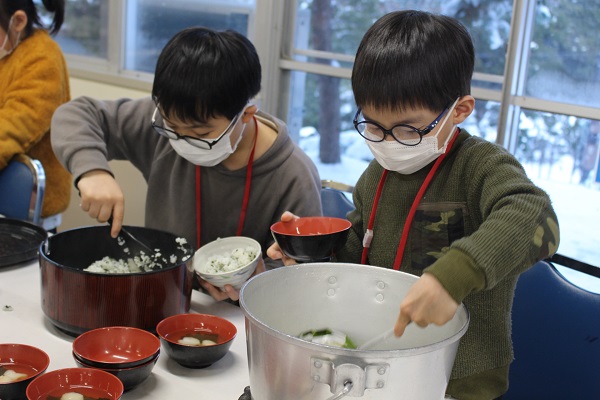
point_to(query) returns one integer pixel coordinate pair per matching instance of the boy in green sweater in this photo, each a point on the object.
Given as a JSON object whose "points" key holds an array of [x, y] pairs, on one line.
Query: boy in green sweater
{"points": [[437, 202]]}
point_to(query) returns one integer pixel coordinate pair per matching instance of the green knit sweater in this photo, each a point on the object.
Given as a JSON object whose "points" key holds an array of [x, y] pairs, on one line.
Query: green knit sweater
{"points": [[481, 223]]}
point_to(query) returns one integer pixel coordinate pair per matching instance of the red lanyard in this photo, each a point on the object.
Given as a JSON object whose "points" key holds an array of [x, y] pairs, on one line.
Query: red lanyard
{"points": [[246, 191], [413, 209]]}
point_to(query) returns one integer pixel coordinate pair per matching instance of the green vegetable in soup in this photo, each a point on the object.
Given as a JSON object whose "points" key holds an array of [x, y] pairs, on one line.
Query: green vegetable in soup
{"points": [[328, 337]]}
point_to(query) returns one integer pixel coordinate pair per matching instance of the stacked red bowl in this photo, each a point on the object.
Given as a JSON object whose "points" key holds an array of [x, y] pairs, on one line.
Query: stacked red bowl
{"points": [[126, 352]]}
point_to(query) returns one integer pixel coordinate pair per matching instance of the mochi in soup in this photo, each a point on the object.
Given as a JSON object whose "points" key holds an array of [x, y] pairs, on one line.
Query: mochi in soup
{"points": [[194, 338], [77, 393], [10, 373]]}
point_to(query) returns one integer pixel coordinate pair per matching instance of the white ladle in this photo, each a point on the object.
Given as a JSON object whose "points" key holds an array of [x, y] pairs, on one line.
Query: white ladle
{"points": [[376, 340]]}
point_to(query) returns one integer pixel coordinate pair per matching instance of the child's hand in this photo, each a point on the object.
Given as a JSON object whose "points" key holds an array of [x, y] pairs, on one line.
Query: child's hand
{"points": [[228, 290], [274, 251], [101, 198], [425, 303]]}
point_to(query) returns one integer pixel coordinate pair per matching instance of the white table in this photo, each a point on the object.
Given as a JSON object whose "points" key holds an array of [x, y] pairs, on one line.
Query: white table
{"points": [[27, 324]]}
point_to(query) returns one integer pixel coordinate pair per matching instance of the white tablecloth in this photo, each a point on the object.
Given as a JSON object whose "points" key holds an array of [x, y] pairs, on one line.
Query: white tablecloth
{"points": [[26, 323]]}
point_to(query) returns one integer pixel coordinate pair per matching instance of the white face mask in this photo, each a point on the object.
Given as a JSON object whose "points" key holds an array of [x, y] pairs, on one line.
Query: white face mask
{"points": [[3, 51], [207, 157], [408, 159]]}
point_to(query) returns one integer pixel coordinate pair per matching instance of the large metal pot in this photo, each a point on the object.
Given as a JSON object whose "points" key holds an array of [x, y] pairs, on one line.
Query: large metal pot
{"points": [[76, 301], [362, 301]]}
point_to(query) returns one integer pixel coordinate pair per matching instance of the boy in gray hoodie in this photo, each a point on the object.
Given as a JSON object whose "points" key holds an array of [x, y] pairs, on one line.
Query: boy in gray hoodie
{"points": [[215, 166]]}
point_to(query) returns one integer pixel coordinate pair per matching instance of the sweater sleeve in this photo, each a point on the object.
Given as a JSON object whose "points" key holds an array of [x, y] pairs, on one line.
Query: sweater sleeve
{"points": [[87, 133], [33, 87], [518, 227]]}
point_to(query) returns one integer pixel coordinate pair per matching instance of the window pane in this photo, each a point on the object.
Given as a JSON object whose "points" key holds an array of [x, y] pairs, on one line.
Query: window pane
{"points": [[324, 129], [560, 154], [85, 29], [565, 50], [339, 26], [483, 122], [151, 23]]}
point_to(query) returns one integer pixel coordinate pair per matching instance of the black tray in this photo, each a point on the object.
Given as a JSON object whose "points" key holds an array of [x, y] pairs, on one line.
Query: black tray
{"points": [[19, 241]]}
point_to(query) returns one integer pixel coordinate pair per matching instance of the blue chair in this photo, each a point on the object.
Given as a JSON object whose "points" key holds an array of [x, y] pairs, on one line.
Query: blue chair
{"points": [[556, 337], [334, 201], [22, 185]]}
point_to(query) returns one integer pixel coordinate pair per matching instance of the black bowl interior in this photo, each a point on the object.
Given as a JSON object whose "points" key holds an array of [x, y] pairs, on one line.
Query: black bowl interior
{"points": [[79, 248]]}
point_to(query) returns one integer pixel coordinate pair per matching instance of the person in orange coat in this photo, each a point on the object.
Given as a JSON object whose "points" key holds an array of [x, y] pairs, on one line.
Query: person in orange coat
{"points": [[33, 83]]}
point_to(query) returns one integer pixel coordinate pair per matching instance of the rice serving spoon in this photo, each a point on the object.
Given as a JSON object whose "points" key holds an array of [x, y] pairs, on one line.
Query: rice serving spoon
{"points": [[134, 245], [376, 340]]}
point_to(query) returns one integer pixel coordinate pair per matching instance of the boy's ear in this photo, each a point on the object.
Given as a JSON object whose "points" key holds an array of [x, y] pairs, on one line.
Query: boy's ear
{"points": [[19, 20], [249, 112], [464, 108]]}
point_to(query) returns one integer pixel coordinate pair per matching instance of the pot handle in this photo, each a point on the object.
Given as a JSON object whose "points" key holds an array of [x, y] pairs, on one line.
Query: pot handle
{"points": [[347, 378], [347, 388]]}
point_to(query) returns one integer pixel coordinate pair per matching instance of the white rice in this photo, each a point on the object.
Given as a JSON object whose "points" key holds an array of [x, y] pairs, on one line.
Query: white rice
{"points": [[138, 263], [230, 261], [109, 265]]}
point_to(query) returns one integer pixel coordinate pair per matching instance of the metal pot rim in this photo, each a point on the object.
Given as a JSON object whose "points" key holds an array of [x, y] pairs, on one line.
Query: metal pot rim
{"points": [[343, 351]]}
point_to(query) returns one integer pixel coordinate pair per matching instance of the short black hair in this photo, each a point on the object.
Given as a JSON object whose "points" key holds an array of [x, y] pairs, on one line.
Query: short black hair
{"points": [[413, 59], [202, 73], [9, 7]]}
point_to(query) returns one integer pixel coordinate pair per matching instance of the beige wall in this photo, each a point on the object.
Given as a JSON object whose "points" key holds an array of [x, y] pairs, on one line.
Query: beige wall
{"points": [[130, 179]]}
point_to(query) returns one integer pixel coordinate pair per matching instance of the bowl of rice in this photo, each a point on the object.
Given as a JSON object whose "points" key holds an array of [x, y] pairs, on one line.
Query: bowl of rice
{"points": [[227, 261]]}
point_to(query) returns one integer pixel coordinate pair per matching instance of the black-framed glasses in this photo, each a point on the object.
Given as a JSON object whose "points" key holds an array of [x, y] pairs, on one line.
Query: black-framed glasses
{"points": [[405, 134], [194, 141]]}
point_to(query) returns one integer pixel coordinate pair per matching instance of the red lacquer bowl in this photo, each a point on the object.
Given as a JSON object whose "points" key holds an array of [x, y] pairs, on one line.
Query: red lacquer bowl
{"points": [[116, 347], [130, 377], [174, 328], [89, 382], [22, 359], [311, 239]]}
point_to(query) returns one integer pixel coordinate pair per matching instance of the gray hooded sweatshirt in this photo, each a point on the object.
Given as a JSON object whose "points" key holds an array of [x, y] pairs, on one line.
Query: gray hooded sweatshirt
{"points": [[87, 133]]}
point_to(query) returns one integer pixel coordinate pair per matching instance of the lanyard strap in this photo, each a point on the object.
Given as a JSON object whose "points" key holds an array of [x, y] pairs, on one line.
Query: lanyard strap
{"points": [[369, 233], [198, 208], [413, 209], [246, 192]]}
